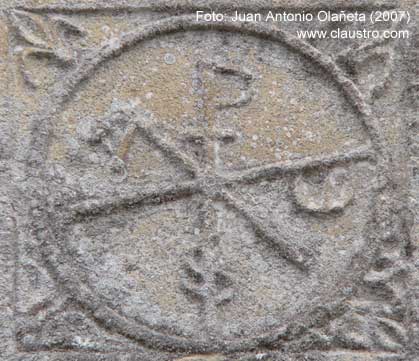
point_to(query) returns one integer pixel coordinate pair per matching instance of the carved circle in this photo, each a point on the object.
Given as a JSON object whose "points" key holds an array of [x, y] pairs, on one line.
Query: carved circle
{"points": [[92, 302]]}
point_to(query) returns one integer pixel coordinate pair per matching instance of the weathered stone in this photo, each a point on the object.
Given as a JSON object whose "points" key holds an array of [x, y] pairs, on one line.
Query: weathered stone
{"points": [[174, 189]]}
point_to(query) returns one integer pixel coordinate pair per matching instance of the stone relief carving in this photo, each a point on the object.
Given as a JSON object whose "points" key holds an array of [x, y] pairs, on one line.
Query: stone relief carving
{"points": [[109, 296], [51, 38]]}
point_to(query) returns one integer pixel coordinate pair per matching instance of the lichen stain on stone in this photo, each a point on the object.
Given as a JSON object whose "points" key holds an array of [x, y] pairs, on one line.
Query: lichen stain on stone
{"points": [[145, 165], [164, 89], [57, 151], [287, 115], [101, 29]]}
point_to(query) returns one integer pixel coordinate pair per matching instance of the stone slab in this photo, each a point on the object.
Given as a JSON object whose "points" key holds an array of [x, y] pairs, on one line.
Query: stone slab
{"points": [[176, 189]]}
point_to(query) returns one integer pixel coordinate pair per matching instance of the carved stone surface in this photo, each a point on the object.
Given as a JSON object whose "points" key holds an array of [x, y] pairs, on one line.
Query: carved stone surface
{"points": [[173, 189]]}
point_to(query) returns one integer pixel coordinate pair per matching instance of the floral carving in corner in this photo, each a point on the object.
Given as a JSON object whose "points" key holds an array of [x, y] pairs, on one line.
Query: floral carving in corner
{"points": [[51, 37]]}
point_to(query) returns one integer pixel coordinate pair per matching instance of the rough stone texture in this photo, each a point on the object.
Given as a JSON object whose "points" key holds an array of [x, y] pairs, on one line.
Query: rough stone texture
{"points": [[175, 190]]}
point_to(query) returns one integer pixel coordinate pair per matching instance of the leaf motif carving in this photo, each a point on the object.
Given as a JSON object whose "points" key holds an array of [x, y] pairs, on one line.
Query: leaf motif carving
{"points": [[32, 29], [68, 26], [359, 331], [376, 321], [370, 64], [47, 39]]}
